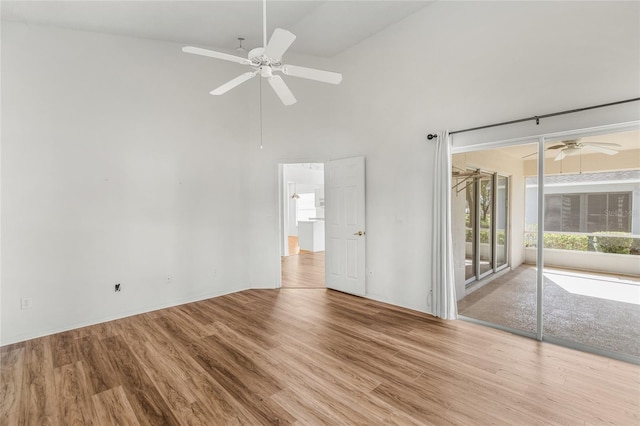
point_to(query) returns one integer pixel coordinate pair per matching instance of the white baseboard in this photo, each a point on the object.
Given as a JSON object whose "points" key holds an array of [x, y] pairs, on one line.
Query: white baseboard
{"points": [[47, 332]]}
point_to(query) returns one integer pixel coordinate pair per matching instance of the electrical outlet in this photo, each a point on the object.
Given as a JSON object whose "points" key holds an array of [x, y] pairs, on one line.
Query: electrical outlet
{"points": [[169, 279], [117, 287], [26, 303]]}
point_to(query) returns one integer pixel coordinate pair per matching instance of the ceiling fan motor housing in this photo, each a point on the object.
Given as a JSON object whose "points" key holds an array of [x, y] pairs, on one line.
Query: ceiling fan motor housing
{"points": [[266, 71], [256, 54]]}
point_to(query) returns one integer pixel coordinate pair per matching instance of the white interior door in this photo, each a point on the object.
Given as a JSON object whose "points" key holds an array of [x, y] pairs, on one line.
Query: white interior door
{"points": [[345, 225]]}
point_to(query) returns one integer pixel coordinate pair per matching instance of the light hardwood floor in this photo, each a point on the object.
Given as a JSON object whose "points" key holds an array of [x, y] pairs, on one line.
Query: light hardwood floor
{"points": [[306, 356], [303, 270]]}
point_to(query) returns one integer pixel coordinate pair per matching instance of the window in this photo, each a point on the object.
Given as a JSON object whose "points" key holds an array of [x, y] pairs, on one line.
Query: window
{"points": [[591, 212], [306, 207], [562, 213]]}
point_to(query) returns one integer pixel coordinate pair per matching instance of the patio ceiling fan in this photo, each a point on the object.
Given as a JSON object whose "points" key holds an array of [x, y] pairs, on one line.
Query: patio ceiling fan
{"points": [[574, 146], [266, 61]]}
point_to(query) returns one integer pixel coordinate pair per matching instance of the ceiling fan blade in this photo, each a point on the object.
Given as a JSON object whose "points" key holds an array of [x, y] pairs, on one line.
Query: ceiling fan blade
{"points": [[233, 83], [560, 156], [282, 90], [312, 74], [217, 55], [278, 44], [546, 149], [601, 149], [600, 144]]}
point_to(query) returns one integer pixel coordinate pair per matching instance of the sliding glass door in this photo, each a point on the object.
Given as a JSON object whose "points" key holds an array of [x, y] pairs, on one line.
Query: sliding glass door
{"points": [[469, 228], [561, 216], [495, 222], [591, 281], [486, 230], [485, 225], [502, 221]]}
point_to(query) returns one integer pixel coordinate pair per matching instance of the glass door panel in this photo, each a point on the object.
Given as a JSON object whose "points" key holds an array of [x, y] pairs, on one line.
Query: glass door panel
{"points": [[500, 225], [469, 231], [502, 218], [593, 303], [485, 225]]}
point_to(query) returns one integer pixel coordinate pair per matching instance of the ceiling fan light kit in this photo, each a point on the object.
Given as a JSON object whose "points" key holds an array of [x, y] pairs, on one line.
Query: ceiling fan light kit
{"points": [[265, 61]]}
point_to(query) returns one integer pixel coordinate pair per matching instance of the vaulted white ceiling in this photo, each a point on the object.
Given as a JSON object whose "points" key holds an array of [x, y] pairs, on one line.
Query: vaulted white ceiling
{"points": [[323, 28]]}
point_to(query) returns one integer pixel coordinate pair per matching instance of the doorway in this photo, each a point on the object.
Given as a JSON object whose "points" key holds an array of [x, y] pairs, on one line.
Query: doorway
{"points": [[302, 225]]}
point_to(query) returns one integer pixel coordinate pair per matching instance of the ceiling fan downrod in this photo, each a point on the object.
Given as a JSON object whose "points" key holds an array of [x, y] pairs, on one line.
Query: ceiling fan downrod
{"points": [[264, 24]]}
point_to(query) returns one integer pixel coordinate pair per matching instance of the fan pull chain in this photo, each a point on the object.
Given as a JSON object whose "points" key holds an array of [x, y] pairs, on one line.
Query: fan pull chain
{"points": [[580, 160]]}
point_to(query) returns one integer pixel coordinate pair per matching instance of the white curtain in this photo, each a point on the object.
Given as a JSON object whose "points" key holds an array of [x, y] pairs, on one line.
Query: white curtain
{"points": [[443, 283]]}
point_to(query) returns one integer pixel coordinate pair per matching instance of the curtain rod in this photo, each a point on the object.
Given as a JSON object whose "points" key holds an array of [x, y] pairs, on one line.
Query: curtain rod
{"points": [[538, 117]]}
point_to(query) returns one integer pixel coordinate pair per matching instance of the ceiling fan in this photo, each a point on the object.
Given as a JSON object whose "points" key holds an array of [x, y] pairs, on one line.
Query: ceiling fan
{"points": [[266, 61], [573, 146]]}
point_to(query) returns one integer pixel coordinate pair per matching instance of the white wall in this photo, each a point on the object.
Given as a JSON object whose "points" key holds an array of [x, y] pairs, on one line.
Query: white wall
{"points": [[451, 65], [80, 108], [456, 65], [117, 167]]}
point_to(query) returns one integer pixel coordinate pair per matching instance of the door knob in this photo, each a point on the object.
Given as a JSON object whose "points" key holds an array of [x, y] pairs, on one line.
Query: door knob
{"points": [[359, 233]]}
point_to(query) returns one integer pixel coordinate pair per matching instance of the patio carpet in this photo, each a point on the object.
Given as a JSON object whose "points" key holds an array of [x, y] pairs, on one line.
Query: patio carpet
{"points": [[571, 309]]}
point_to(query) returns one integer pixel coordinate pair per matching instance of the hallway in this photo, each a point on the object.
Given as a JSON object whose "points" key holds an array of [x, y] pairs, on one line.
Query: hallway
{"points": [[303, 270]]}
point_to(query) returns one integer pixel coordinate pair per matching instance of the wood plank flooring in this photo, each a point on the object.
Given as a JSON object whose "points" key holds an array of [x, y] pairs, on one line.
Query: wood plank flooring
{"points": [[294, 246], [306, 356], [304, 270]]}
